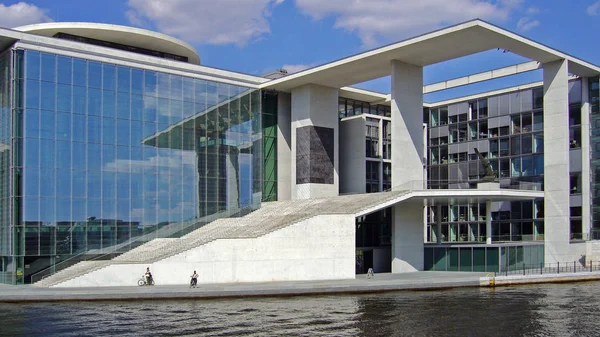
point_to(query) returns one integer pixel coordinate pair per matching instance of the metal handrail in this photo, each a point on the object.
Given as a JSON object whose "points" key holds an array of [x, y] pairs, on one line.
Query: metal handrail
{"points": [[549, 268]]}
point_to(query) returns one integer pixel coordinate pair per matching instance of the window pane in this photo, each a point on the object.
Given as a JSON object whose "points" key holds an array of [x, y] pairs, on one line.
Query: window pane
{"points": [[48, 67], [94, 102], [123, 79], [94, 74], [32, 123], [108, 103], [63, 126], [65, 69], [80, 72], [109, 77], [48, 96], [32, 59], [32, 94], [63, 98], [80, 100], [79, 128]]}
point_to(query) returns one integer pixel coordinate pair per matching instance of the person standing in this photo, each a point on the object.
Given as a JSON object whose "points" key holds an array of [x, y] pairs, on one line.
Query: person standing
{"points": [[149, 280]]}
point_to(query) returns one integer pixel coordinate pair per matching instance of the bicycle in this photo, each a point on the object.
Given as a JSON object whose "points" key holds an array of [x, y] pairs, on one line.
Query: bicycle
{"points": [[143, 282]]}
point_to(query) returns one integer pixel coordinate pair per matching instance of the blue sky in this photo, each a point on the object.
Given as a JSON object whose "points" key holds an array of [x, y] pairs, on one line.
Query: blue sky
{"points": [[257, 36]]}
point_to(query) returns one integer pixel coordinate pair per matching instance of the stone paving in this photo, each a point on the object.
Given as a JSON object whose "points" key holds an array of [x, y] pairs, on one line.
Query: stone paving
{"points": [[362, 284]]}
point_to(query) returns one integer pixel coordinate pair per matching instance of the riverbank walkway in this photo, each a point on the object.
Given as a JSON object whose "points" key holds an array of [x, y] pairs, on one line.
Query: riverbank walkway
{"points": [[362, 284], [429, 280]]}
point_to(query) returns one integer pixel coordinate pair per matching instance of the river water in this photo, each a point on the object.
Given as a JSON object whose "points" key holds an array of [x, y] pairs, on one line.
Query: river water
{"points": [[541, 310]]}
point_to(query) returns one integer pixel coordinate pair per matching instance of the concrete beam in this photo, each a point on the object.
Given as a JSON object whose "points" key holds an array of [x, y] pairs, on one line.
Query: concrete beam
{"points": [[481, 77]]}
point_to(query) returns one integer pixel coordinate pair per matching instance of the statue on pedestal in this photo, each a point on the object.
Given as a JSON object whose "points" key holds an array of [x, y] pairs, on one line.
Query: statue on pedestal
{"points": [[489, 177]]}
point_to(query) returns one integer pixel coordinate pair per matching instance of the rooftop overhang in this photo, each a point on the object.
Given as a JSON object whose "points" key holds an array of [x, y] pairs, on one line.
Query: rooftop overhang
{"points": [[446, 44], [8, 38], [124, 35]]}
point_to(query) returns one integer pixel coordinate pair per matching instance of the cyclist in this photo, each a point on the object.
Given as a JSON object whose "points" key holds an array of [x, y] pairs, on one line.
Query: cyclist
{"points": [[148, 275]]}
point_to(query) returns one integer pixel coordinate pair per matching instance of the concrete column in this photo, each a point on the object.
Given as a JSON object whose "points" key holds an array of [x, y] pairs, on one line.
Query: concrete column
{"points": [[488, 222], [380, 149], [315, 134], [585, 158], [407, 237], [407, 126], [556, 163], [353, 172], [438, 223], [284, 146]]}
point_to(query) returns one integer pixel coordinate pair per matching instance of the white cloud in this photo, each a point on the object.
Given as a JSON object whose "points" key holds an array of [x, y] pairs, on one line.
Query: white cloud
{"points": [[533, 10], [593, 8], [394, 19], [21, 14], [526, 24], [205, 21]]}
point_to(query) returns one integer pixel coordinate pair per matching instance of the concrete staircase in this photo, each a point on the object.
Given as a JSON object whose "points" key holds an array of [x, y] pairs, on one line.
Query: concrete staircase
{"points": [[270, 217]]}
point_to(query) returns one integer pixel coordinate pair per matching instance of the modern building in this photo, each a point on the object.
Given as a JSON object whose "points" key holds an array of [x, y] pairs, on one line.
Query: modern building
{"points": [[120, 150]]}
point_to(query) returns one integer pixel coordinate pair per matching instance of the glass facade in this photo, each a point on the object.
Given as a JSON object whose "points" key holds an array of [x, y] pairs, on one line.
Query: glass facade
{"points": [[105, 155], [7, 262], [484, 259], [508, 131]]}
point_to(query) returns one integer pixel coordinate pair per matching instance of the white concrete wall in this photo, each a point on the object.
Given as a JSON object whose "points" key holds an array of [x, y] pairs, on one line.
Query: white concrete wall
{"points": [[284, 143], [407, 124], [407, 237], [314, 105], [319, 248], [592, 252], [556, 168], [352, 156]]}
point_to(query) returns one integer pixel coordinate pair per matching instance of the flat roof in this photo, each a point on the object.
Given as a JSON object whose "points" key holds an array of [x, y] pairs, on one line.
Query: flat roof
{"points": [[442, 45], [130, 36]]}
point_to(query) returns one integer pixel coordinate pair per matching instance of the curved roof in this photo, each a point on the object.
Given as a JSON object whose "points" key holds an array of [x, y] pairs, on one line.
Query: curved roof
{"points": [[130, 36]]}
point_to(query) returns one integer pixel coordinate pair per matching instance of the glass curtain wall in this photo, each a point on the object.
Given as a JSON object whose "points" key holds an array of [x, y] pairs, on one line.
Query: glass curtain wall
{"points": [[6, 260], [506, 129], [109, 154]]}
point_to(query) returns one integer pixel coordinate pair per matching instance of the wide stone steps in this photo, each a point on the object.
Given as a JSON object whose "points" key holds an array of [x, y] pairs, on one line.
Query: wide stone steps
{"points": [[270, 217]]}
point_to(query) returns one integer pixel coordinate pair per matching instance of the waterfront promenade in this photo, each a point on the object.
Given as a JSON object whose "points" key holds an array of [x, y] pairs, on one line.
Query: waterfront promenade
{"points": [[362, 284]]}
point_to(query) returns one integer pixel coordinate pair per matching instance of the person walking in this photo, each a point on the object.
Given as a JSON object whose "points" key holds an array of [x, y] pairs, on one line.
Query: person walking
{"points": [[194, 280]]}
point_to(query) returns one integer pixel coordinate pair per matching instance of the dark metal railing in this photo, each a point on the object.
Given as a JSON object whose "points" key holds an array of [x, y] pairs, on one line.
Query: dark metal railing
{"points": [[548, 268]]}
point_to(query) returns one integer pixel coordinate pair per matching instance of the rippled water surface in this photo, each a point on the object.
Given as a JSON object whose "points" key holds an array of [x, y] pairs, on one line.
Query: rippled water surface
{"points": [[547, 310]]}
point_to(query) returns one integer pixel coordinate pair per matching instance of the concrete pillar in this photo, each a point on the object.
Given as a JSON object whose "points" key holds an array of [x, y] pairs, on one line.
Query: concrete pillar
{"points": [[407, 237], [586, 225], [438, 223], [315, 134], [353, 172], [488, 222], [284, 146], [407, 126], [556, 163]]}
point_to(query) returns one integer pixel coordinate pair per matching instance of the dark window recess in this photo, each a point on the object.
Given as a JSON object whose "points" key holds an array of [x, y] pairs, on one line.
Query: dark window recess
{"points": [[119, 46]]}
